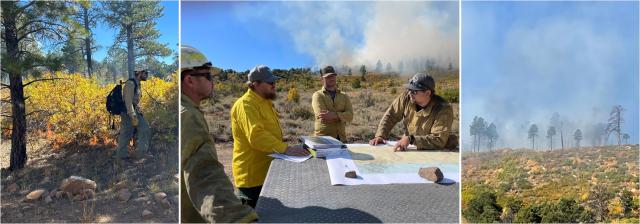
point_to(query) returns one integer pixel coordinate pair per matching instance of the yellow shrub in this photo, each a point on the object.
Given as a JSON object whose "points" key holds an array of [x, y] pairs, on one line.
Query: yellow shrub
{"points": [[72, 109], [292, 95]]}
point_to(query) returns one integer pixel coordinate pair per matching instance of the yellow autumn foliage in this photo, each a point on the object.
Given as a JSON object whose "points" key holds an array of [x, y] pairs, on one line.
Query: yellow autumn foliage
{"points": [[72, 108]]}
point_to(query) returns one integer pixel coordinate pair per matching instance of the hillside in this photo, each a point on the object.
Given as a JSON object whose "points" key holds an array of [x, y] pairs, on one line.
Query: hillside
{"points": [[595, 178]]}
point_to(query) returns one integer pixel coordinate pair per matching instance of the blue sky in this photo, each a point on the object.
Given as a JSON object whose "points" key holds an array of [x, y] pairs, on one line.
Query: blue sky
{"points": [[167, 25], [523, 61], [215, 29], [240, 35]]}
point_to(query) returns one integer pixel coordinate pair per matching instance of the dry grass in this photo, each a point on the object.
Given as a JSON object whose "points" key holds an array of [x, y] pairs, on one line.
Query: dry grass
{"points": [[369, 103]]}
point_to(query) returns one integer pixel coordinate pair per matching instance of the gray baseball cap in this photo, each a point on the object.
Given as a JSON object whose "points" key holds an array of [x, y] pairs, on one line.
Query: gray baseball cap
{"points": [[262, 73], [327, 71], [421, 81]]}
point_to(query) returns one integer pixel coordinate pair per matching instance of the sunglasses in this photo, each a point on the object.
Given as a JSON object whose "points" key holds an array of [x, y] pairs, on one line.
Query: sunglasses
{"points": [[270, 83], [414, 92], [207, 75]]}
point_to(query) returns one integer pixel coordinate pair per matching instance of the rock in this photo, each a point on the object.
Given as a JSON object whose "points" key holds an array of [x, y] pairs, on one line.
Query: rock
{"points": [[142, 194], [13, 188], [48, 199], [124, 195], [431, 173], [146, 214], [35, 195], [78, 197], [165, 203], [140, 199], [351, 174], [177, 177], [160, 196], [9, 178], [76, 185], [120, 185]]}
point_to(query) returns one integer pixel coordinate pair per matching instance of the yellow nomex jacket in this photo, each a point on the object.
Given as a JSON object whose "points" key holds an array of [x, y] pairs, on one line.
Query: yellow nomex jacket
{"points": [[256, 134], [322, 101]]}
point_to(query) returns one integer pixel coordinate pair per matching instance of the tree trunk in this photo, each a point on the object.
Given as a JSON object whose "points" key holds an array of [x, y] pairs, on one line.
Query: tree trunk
{"points": [[131, 57], [87, 42], [619, 120], [534, 142], [561, 140], [19, 130], [18, 156]]}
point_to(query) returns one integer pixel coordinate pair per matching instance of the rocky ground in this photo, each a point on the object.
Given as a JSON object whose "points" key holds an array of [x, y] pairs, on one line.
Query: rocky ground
{"points": [[102, 189]]}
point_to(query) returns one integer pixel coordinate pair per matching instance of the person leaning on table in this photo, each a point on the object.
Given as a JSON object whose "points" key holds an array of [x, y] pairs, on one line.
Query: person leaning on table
{"points": [[426, 117]]}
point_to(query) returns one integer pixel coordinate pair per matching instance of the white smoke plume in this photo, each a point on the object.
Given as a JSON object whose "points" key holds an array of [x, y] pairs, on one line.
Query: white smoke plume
{"points": [[357, 33]]}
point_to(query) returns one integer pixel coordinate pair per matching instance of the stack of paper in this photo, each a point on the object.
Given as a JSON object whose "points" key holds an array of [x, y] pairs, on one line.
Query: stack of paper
{"points": [[297, 159], [321, 146]]}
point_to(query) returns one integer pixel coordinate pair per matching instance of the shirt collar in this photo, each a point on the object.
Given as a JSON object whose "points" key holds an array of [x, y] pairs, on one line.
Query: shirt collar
{"points": [[187, 102], [253, 95]]}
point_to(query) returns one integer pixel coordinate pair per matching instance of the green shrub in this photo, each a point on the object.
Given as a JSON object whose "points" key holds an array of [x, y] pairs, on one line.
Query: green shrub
{"points": [[301, 112], [451, 95], [355, 83], [483, 208]]}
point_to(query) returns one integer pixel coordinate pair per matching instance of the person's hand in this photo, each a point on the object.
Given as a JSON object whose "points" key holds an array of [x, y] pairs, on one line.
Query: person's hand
{"points": [[402, 144], [377, 141], [296, 150], [134, 121], [328, 116]]}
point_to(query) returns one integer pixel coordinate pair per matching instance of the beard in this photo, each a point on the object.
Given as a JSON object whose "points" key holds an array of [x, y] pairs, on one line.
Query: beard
{"points": [[271, 96]]}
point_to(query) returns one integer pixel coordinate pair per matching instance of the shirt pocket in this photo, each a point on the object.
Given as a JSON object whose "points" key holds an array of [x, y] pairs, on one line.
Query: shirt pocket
{"points": [[425, 124], [339, 104]]}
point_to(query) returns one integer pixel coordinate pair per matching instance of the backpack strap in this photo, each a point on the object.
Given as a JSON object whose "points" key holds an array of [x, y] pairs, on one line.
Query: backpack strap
{"points": [[135, 84]]}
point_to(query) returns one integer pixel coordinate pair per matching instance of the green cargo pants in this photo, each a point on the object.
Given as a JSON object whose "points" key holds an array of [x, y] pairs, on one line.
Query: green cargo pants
{"points": [[126, 133]]}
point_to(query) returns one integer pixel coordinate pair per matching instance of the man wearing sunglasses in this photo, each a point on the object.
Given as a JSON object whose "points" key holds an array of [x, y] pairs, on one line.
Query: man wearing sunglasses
{"points": [[426, 117], [256, 134], [332, 107], [133, 123], [207, 193]]}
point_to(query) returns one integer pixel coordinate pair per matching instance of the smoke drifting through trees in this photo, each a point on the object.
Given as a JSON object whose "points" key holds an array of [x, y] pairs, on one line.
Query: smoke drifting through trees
{"points": [[565, 63], [484, 137]]}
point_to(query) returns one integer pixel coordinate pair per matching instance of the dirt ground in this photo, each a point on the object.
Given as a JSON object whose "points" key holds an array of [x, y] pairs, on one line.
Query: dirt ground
{"points": [[369, 107], [46, 169]]}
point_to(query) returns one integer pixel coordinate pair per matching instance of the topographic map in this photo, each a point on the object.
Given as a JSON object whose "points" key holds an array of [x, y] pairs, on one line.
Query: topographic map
{"points": [[381, 165]]}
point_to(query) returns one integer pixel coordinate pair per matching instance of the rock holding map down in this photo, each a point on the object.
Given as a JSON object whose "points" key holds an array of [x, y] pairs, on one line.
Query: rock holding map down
{"points": [[431, 173], [351, 174]]}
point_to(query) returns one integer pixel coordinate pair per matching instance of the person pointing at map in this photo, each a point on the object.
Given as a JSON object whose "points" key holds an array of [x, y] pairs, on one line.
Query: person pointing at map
{"points": [[426, 117]]}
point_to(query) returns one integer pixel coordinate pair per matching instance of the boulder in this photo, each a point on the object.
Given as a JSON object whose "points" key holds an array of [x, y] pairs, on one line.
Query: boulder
{"points": [[431, 173], [124, 195], [35, 195], [146, 214], [351, 174], [76, 185]]}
